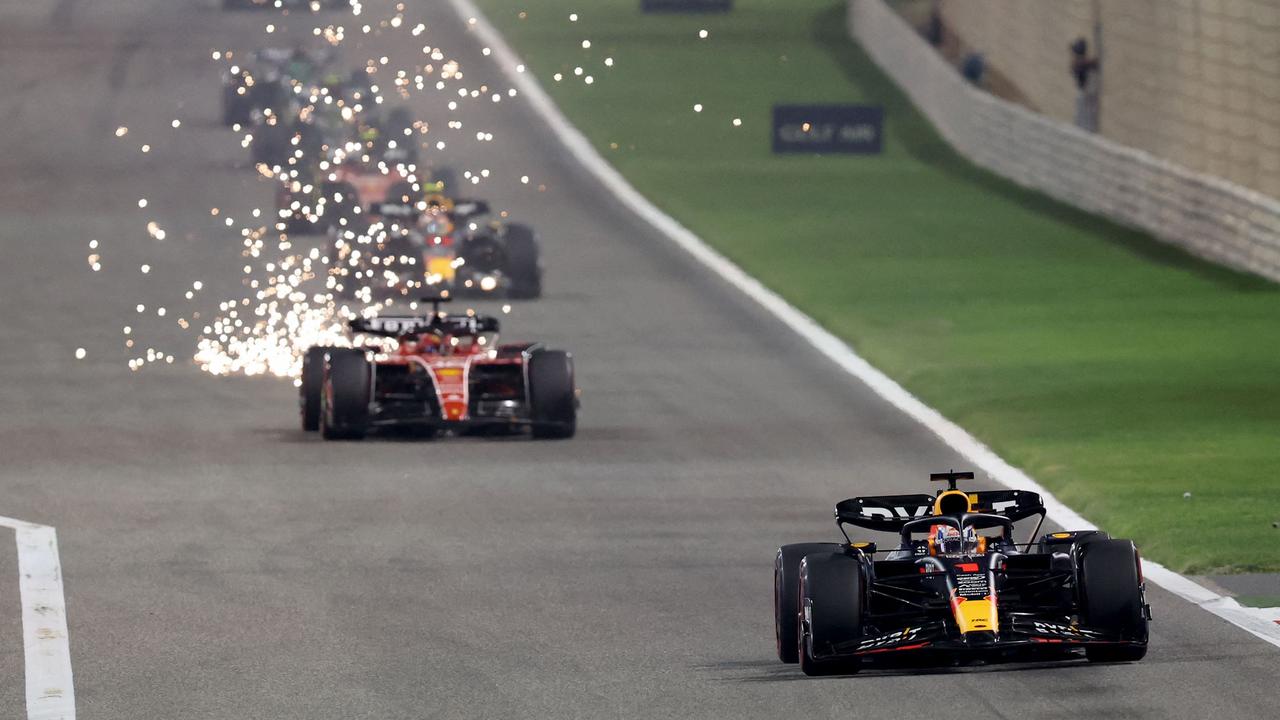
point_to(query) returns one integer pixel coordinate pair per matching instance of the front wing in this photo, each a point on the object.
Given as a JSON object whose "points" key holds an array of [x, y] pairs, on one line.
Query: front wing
{"points": [[1017, 634]]}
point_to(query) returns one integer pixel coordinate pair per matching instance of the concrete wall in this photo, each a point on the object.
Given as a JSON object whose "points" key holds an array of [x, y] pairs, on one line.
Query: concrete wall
{"points": [[1194, 81], [1214, 218]]}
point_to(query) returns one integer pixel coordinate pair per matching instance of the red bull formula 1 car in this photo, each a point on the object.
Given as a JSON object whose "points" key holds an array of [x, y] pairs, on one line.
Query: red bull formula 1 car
{"points": [[447, 373], [957, 587]]}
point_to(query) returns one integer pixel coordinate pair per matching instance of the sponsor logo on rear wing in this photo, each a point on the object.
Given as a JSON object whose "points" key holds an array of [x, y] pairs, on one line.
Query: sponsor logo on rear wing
{"points": [[889, 513], [396, 325]]}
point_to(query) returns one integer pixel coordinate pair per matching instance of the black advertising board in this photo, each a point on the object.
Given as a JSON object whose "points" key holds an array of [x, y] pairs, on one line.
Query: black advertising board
{"points": [[837, 129]]}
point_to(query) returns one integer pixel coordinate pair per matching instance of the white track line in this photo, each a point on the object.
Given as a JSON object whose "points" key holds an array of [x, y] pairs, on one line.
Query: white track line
{"points": [[51, 694], [1264, 623]]}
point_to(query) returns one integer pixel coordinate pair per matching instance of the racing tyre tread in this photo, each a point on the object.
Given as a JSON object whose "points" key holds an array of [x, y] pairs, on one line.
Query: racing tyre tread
{"points": [[312, 387], [552, 395], [345, 401], [786, 595], [524, 263], [830, 586], [1112, 599]]}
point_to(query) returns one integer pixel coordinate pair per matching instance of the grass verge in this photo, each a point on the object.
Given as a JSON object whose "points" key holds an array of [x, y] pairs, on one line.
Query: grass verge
{"points": [[1259, 601], [1140, 385]]}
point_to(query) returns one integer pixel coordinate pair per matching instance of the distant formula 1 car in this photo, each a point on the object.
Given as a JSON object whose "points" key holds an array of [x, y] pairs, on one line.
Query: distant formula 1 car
{"points": [[272, 82], [448, 372], [440, 243], [957, 587], [259, 85], [344, 197]]}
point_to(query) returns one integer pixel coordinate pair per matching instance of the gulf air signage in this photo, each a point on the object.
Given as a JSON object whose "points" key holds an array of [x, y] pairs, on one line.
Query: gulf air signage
{"points": [[828, 129]]}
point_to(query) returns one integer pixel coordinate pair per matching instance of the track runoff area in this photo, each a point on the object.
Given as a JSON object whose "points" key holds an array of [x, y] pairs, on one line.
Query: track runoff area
{"points": [[277, 575]]}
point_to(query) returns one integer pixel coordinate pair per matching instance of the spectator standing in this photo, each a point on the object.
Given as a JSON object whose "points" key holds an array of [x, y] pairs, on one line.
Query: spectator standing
{"points": [[1087, 72]]}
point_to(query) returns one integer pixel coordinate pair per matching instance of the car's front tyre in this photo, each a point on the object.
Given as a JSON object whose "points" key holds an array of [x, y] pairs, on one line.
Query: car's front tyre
{"points": [[1111, 599], [830, 602], [786, 595]]}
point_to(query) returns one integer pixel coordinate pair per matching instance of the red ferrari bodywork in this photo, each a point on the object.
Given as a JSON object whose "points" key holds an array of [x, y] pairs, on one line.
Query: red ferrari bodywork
{"points": [[370, 183], [451, 371]]}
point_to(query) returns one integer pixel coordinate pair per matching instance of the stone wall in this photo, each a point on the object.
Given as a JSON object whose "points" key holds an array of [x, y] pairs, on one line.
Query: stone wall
{"points": [[1194, 81]]}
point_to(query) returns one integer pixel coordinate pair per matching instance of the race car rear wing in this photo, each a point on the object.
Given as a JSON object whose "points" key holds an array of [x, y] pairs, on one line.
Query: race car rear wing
{"points": [[463, 210], [889, 513], [397, 325]]}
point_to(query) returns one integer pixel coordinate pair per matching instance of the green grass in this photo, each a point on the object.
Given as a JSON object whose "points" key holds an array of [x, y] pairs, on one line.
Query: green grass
{"points": [[1117, 371], [1259, 601]]}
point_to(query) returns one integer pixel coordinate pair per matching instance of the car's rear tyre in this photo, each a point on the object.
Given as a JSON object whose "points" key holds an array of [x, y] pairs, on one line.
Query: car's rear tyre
{"points": [[345, 401], [312, 388], [341, 201], [235, 108], [786, 595], [270, 144], [524, 263], [552, 395], [830, 601], [405, 194], [1111, 599], [299, 225], [484, 255]]}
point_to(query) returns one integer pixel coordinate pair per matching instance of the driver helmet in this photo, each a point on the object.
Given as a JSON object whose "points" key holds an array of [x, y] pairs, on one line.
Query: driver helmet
{"points": [[437, 200], [435, 223], [409, 345], [431, 343], [950, 540]]}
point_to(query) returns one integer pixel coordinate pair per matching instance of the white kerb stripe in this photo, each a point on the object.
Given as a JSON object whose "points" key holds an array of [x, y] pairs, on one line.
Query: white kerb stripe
{"points": [[50, 691], [1262, 622]]}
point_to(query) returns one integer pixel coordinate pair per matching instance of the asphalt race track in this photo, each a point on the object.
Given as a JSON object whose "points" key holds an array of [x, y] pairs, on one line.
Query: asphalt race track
{"points": [[221, 564]]}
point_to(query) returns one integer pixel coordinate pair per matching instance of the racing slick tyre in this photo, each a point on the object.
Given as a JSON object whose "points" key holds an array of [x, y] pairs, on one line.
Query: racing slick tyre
{"points": [[552, 395], [524, 263], [1110, 586], [344, 411], [312, 386], [299, 226], [235, 107], [398, 120], [270, 144], [404, 193], [786, 595], [830, 602], [484, 255], [341, 202]]}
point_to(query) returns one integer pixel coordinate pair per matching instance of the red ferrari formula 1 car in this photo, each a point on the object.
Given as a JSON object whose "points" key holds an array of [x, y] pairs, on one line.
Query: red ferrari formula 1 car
{"points": [[957, 587], [345, 196], [447, 373]]}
